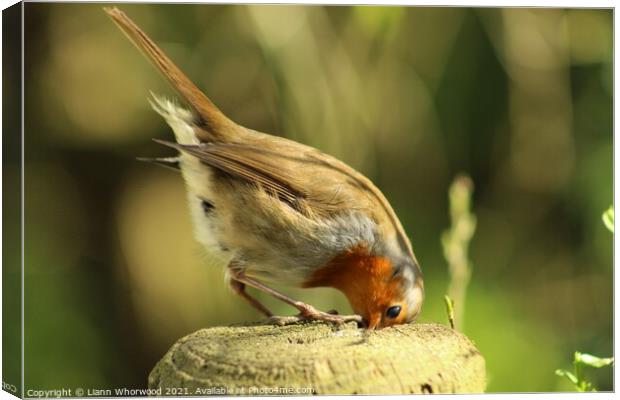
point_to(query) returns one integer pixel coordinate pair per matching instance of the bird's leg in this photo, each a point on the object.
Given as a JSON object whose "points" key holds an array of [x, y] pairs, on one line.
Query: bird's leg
{"points": [[239, 288], [306, 310]]}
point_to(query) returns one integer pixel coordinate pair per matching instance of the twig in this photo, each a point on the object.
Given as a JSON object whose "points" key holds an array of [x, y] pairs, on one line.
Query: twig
{"points": [[449, 310]]}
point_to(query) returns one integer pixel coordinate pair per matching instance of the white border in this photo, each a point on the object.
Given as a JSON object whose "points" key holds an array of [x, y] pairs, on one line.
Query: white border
{"points": [[542, 3]]}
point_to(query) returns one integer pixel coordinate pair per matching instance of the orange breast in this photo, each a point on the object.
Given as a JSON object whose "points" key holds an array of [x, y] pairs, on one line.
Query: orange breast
{"points": [[366, 280]]}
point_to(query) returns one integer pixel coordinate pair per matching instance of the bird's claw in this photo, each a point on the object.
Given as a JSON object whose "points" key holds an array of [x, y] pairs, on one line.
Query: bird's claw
{"points": [[309, 313]]}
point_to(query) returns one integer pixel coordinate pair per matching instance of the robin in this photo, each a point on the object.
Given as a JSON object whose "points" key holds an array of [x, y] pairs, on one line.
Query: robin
{"points": [[282, 212]]}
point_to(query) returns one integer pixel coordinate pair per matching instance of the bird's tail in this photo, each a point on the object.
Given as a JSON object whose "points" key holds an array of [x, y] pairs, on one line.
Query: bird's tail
{"points": [[210, 117]]}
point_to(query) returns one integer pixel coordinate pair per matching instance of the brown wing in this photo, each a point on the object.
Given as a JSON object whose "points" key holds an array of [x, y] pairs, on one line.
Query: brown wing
{"points": [[271, 171]]}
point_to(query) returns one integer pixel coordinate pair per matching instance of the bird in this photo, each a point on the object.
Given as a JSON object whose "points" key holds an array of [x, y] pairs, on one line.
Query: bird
{"points": [[283, 213]]}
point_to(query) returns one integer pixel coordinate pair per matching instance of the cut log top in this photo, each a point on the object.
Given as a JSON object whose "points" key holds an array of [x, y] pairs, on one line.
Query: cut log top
{"points": [[317, 358]]}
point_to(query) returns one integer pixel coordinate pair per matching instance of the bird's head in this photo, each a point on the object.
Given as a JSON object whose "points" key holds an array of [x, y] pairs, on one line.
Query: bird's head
{"points": [[383, 290], [392, 295]]}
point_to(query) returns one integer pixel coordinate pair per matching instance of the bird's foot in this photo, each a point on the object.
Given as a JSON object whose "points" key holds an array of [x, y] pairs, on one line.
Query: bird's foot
{"points": [[309, 313]]}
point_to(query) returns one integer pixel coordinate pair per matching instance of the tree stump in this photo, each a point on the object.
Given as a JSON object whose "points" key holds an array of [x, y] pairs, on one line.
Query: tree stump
{"points": [[318, 358]]}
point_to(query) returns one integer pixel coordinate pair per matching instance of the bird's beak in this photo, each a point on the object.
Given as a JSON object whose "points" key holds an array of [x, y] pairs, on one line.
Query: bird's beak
{"points": [[373, 321]]}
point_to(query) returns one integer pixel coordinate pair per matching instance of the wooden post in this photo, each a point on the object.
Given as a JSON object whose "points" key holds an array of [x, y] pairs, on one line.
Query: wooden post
{"points": [[318, 358]]}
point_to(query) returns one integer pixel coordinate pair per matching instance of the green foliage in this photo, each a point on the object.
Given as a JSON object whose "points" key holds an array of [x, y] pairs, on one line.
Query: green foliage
{"points": [[608, 218], [576, 377], [583, 359]]}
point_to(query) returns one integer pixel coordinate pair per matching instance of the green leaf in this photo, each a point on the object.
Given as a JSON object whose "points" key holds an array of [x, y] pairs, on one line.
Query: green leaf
{"points": [[592, 361], [608, 218]]}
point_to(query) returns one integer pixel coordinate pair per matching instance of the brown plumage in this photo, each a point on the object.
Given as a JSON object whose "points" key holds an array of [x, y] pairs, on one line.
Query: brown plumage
{"points": [[284, 212]]}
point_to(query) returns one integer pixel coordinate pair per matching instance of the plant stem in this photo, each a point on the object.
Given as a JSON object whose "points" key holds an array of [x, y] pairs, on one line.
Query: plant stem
{"points": [[455, 242]]}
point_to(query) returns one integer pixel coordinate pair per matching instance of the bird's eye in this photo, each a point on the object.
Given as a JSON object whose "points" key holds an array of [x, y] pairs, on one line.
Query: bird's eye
{"points": [[393, 312]]}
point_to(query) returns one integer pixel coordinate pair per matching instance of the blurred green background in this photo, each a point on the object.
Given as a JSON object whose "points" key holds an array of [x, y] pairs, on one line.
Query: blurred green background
{"points": [[520, 99]]}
